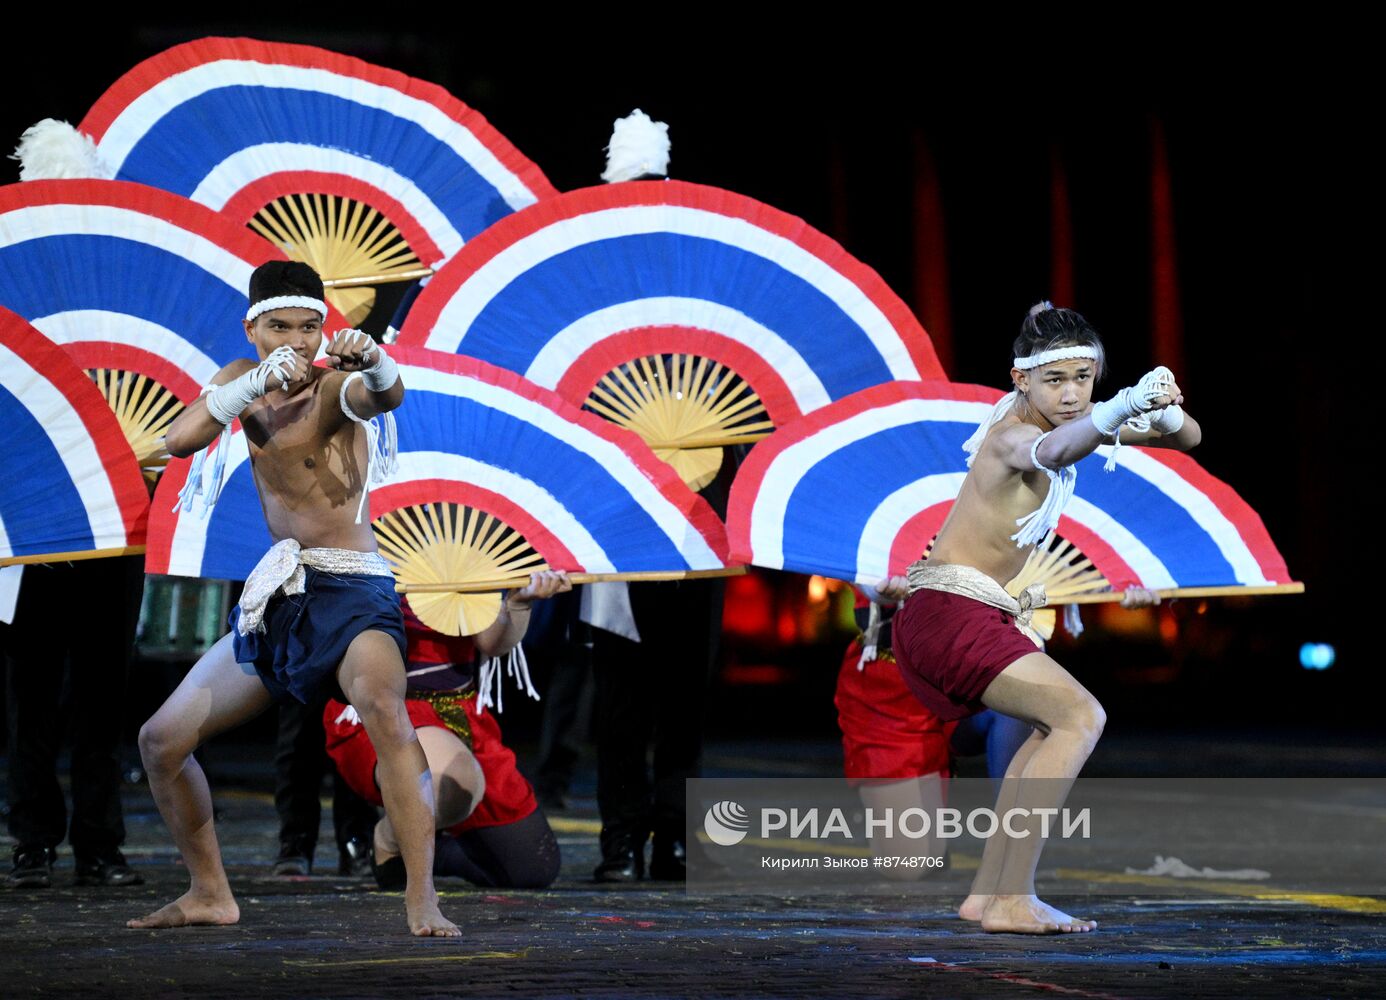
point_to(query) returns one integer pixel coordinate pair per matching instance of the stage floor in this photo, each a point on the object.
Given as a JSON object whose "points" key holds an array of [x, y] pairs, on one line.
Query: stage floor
{"points": [[326, 936]]}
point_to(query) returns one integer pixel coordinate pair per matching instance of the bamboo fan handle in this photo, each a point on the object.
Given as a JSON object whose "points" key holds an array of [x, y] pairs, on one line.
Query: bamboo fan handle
{"points": [[377, 279], [724, 441], [132, 550], [1113, 596], [509, 583]]}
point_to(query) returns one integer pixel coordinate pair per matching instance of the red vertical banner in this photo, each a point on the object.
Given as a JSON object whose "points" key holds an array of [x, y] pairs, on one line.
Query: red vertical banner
{"points": [[931, 298], [1061, 291], [1166, 313]]}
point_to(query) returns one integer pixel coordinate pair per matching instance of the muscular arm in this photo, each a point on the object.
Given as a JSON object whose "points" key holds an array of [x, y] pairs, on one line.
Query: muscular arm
{"points": [[195, 428], [1079, 438]]}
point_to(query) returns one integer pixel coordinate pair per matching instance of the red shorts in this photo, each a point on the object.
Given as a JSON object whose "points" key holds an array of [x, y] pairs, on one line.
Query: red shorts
{"points": [[950, 648], [886, 733], [508, 797]]}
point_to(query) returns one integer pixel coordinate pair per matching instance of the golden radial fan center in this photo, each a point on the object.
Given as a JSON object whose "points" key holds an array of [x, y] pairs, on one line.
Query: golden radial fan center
{"points": [[341, 238], [687, 408], [451, 543], [1064, 571], [144, 409]]}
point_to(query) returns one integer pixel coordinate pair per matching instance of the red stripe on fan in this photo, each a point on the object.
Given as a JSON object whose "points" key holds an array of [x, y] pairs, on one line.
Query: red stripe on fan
{"points": [[693, 507], [422, 491], [103, 354], [52, 363], [243, 205], [1106, 558], [163, 518], [189, 55], [749, 478], [514, 228], [618, 348], [915, 535], [1230, 504], [180, 212]]}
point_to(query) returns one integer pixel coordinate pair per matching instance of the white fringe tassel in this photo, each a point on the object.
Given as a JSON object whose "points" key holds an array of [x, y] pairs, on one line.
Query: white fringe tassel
{"points": [[516, 667]]}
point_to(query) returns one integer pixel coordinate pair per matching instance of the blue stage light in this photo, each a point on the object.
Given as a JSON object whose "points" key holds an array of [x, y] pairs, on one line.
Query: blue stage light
{"points": [[1317, 655]]}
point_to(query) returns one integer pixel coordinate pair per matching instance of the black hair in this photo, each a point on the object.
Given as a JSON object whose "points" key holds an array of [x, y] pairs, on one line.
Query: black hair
{"points": [[284, 277], [1047, 328]]}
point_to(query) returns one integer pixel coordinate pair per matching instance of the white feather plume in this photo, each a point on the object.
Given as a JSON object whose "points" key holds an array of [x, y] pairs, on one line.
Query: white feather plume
{"points": [[54, 150], [638, 146]]}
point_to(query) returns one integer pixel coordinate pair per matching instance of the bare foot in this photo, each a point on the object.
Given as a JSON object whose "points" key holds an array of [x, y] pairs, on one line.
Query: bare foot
{"points": [[189, 910], [425, 920], [973, 907], [1030, 915]]}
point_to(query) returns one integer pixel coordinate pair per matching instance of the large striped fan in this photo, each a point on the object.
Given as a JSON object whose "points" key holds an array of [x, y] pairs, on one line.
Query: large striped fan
{"points": [[696, 317], [142, 288], [857, 490], [71, 488], [369, 175], [496, 478]]}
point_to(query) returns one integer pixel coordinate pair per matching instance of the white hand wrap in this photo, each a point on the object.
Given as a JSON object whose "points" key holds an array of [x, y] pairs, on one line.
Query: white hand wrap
{"points": [[1168, 420], [383, 373], [226, 402], [1132, 402]]}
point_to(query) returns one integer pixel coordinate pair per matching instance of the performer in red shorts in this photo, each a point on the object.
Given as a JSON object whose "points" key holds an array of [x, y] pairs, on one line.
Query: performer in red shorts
{"points": [[491, 829], [963, 643]]}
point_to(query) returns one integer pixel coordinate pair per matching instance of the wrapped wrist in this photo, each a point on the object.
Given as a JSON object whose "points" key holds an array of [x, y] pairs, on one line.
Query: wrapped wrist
{"points": [[1108, 416], [381, 375], [1168, 420], [225, 402]]}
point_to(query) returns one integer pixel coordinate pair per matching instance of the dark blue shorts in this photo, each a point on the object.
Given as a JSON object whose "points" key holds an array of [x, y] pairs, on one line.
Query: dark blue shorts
{"points": [[306, 635]]}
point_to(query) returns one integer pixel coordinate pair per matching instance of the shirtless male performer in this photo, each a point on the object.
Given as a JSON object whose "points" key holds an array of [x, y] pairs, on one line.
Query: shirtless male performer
{"points": [[319, 609], [963, 643]]}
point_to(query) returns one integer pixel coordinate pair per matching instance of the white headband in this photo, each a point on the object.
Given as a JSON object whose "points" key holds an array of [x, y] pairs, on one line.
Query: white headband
{"points": [[1058, 354], [286, 302]]}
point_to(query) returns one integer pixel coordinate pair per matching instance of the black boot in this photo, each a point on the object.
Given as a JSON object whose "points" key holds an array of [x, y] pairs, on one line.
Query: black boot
{"points": [[106, 868], [623, 856], [295, 857], [33, 868]]}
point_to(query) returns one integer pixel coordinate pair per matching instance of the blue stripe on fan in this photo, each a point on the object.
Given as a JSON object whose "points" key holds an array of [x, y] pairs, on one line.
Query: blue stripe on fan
{"points": [[1159, 522], [431, 421], [513, 327], [236, 532], [40, 505], [221, 122], [856, 480], [62, 273]]}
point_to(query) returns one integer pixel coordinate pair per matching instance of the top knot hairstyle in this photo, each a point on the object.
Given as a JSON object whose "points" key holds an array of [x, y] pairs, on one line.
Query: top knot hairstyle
{"points": [[1047, 329]]}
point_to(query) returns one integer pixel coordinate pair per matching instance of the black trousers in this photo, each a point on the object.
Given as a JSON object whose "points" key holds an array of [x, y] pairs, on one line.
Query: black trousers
{"points": [[300, 761], [68, 656], [564, 659], [654, 692]]}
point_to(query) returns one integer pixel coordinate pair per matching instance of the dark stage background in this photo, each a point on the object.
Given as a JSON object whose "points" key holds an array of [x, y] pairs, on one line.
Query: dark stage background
{"points": [[1205, 186]]}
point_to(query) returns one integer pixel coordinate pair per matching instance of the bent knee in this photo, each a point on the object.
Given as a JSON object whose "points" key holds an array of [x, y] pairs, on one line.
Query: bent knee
{"points": [[385, 717], [1088, 719], [163, 746]]}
